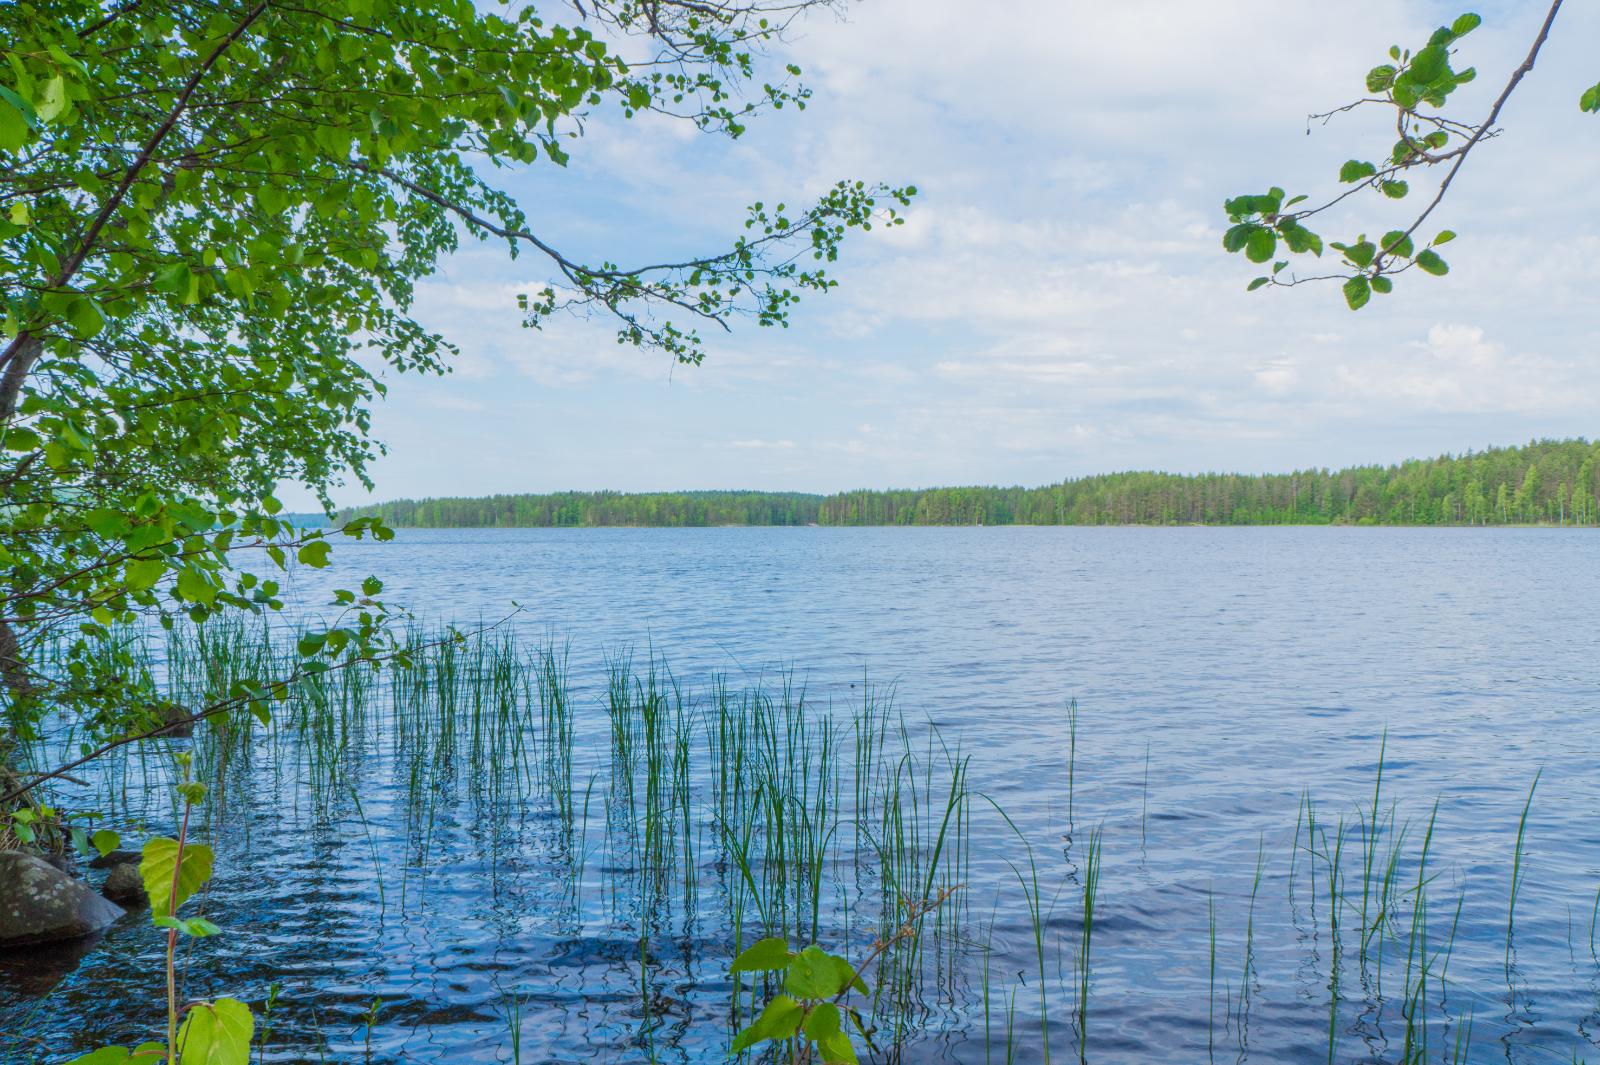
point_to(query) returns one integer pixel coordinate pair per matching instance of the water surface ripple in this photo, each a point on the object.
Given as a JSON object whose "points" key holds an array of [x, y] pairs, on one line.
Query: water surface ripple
{"points": [[1219, 675]]}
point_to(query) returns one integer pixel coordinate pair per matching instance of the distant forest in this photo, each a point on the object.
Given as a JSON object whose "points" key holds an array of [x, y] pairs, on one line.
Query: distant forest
{"points": [[1547, 481]]}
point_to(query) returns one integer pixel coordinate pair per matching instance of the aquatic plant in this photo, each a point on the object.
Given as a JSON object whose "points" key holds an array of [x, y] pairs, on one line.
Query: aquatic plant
{"points": [[215, 1032], [806, 1020]]}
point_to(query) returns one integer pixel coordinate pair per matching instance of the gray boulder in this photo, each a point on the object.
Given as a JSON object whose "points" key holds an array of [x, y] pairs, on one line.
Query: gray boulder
{"points": [[125, 886], [41, 904]]}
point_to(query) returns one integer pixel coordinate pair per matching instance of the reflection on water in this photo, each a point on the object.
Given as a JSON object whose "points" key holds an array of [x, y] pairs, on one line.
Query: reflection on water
{"points": [[1220, 676]]}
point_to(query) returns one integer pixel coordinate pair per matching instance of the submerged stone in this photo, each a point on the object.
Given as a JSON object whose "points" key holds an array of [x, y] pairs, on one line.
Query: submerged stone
{"points": [[41, 904], [115, 858], [125, 886]]}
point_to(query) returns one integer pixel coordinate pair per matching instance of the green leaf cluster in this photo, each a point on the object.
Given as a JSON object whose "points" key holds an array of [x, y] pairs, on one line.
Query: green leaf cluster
{"points": [[808, 1009], [1264, 227], [213, 220]]}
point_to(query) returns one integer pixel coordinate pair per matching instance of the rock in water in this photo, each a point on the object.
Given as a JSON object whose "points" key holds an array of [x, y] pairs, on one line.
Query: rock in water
{"points": [[125, 886], [41, 904], [114, 859]]}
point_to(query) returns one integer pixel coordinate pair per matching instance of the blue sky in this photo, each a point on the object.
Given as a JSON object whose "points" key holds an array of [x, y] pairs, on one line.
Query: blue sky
{"points": [[1059, 303]]}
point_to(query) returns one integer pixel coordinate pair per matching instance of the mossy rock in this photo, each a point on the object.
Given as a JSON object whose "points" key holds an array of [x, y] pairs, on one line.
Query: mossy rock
{"points": [[41, 904]]}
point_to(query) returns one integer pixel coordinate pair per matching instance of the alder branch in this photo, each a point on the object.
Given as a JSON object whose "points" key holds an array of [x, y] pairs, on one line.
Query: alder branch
{"points": [[19, 355]]}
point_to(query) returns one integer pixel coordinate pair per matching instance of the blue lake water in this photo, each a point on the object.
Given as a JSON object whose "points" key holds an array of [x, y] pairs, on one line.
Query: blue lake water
{"points": [[1219, 675]]}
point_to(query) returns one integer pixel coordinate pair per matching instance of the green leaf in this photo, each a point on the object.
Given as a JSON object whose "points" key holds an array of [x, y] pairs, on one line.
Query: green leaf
{"points": [[822, 1027], [103, 1056], [1300, 239], [1395, 190], [1257, 283], [86, 317], [767, 955], [1234, 239], [1380, 78], [779, 1020], [1357, 291], [143, 1054], [1465, 24], [847, 974], [105, 841], [13, 127], [821, 1022], [1361, 253], [814, 973], [1430, 262], [1382, 284], [198, 927], [1261, 246], [836, 1050], [314, 554], [193, 586], [178, 280], [54, 99], [156, 869], [1589, 102], [1356, 170], [1395, 242], [217, 1033], [1445, 237], [21, 438], [1429, 63], [142, 574]]}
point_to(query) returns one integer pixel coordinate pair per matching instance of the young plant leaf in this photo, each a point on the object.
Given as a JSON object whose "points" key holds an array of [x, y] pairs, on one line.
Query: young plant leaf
{"points": [[197, 927], [779, 1020], [822, 1027], [143, 1054], [815, 973], [156, 869], [217, 1033], [766, 955]]}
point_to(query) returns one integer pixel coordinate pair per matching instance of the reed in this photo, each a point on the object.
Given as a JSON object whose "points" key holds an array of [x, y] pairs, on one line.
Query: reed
{"points": [[746, 809], [1518, 852]]}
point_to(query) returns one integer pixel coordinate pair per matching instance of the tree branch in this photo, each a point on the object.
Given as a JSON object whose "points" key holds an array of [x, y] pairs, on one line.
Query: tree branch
{"points": [[19, 355]]}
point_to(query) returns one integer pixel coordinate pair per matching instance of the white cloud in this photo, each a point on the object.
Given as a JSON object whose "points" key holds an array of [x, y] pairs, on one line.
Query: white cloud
{"points": [[1460, 369], [762, 445], [1058, 302]]}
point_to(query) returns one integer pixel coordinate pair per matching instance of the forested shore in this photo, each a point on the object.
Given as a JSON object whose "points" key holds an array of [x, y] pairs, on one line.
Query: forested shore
{"points": [[1543, 482]]}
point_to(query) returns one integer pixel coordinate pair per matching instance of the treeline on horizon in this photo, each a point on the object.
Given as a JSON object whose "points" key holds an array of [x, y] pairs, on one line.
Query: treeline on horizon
{"points": [[1546, 481]]}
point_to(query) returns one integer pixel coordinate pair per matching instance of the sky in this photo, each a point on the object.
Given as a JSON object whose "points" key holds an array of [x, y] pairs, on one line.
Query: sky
{"points": [[1058, 303]]}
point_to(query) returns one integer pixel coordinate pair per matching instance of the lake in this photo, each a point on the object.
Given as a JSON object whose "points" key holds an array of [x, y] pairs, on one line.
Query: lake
{"points": [[1149, 707]]}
